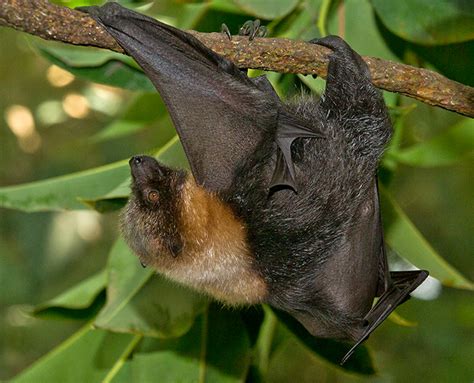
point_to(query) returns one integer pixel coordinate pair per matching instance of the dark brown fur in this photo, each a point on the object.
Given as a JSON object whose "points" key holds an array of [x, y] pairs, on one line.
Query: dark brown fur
{"points": [[284, 208]]}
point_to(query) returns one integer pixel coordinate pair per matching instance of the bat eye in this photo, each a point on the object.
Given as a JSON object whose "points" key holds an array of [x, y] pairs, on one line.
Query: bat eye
{"points": [[153, 196]]}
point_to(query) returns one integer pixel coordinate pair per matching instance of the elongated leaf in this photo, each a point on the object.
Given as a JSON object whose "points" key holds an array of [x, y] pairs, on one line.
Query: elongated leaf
{"points": [[116, 71], [403, 237], [87, 356], [77, 3], [81, 57], [428, 22], [84, 189], [79, 296], [125, 279], [140, 302], [142, 111], [65, 192], [445, 149], [265, 9], [216, 349], [77, 302], [118, 129], [329, 349]]}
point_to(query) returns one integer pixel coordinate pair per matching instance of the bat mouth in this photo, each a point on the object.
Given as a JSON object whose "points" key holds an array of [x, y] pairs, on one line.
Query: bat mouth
{"points": [[145, 169]]}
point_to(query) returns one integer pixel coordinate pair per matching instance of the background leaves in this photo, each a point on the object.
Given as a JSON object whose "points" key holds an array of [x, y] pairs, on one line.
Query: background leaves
{"points": [[429, 22], [151, 327]]}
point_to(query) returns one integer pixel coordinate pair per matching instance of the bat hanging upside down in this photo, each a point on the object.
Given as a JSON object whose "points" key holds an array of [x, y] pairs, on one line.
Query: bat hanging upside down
{"points": [[282, 204]]}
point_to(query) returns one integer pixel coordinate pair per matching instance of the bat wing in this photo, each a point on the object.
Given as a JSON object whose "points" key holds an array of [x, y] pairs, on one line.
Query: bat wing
{"points": [[220, 114], [394, 288]]}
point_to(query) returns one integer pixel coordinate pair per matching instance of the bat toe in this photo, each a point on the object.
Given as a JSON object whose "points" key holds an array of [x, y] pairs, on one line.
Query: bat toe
{"points": [[252, 29]]}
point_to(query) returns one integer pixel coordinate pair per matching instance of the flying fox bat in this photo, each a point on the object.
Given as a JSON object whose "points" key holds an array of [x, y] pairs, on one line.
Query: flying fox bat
{"points": [[282, 205]]}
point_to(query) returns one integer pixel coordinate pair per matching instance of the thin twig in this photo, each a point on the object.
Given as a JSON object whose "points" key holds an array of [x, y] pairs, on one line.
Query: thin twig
{"points": [[52, 22]]}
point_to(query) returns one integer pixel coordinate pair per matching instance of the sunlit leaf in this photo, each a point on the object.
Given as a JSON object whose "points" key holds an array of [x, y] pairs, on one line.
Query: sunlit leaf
{"points": [[87, 356], [65, 192], [107, 68], [76, 3], [86, 188], [118, 129], [81, 57], [405, 239], [265, 9], [428, 22], [447, 148], [301, 23], [138, 301], [143, 110]]}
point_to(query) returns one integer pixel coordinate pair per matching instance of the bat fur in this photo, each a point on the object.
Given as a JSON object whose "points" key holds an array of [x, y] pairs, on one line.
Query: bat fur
{"points": [[282, 204]]}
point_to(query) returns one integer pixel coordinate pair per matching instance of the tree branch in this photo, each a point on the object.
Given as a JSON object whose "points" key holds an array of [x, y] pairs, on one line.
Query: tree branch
{"points": [[52, 22]]}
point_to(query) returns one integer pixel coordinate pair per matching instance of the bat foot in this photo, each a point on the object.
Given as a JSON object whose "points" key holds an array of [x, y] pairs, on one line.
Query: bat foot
{"points": [[343, 56], [252, 29]]}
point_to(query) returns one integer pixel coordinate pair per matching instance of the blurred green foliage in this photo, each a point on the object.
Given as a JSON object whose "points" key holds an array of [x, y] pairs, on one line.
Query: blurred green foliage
{"points": [[64, 145]]}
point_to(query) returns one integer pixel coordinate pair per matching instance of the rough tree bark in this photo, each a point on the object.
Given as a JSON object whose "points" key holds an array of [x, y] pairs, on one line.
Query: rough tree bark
{"points": [[52, 22]]}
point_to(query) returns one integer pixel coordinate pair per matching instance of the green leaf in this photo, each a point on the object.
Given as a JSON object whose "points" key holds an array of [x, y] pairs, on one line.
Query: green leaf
{"points": [[76, 3], [118, 129], [74, 302], [330, 350], [301, 23], [87, 356], [65, 192], [361, 30], [140, 302], [105, 68], [267, 10], [447, 148], [404, 238], [140, 113], [104, 188], [429, 22], [81, 57], [216, 349]]}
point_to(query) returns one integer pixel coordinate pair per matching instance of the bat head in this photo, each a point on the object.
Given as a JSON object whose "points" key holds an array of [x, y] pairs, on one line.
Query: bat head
{"points": [[150, 221]]}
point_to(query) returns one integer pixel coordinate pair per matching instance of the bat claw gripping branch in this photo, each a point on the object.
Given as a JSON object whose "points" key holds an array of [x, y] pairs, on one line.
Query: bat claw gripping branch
{"points": [[252, 29]]}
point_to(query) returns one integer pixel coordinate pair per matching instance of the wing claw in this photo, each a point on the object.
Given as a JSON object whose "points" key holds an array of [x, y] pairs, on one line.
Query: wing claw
{"points": [[403, 283]]}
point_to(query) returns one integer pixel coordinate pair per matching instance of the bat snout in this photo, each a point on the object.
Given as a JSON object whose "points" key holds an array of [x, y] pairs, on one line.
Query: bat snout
{"points": [[144, 168]]}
